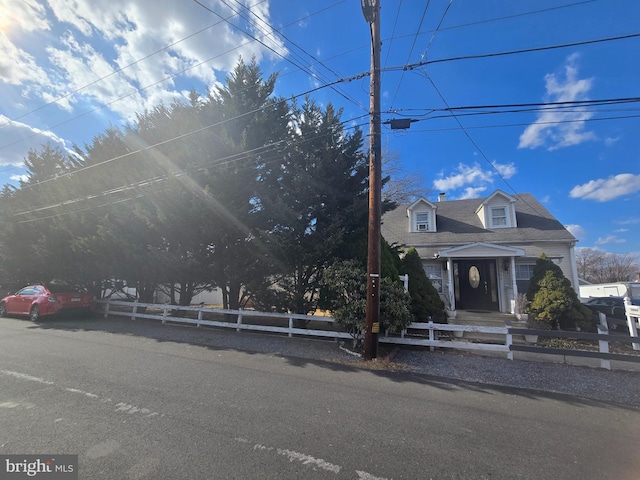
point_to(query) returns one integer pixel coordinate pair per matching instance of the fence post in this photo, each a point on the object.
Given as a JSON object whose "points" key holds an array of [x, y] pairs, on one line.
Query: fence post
{"points": [[290, 326], [164, 314], [431, 336], [239, 321], [602, 318], [631, 322], [106, 308], [604, 344], [508, 341], [199, 317], [135, 310]]}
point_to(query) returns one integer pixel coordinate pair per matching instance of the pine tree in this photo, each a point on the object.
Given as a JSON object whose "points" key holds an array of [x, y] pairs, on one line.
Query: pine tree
{"points": [[553, 300], [425, 301]]}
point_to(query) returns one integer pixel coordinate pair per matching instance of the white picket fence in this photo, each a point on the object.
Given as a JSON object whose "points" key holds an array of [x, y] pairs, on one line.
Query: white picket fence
{"points": [[428, 334], [418, 334]]}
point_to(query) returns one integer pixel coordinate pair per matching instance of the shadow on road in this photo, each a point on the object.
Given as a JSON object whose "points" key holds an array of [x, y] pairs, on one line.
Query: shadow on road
{"points": [[298, 352]]}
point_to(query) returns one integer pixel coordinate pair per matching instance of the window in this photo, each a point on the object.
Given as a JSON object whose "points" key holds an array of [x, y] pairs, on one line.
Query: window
{"points": [[498, 217], [422, 221], [434, 273], [27, 291], [524, 272]]}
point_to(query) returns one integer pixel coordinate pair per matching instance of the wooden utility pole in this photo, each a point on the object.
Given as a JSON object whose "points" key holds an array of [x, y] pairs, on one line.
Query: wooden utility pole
{"points": [[371, 10]]}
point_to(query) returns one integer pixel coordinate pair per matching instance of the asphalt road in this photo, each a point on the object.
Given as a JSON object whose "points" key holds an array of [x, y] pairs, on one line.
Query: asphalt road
{"points": [[135, 404]]}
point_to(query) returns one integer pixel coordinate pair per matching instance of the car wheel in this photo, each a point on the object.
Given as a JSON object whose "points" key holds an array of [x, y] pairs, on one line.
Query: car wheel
{"points": [[35, 313], [3, 310]]}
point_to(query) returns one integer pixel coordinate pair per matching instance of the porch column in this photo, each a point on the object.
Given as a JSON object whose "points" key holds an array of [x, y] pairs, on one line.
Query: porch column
{"points": [[575, 283], [451, 293], [514, 285]]}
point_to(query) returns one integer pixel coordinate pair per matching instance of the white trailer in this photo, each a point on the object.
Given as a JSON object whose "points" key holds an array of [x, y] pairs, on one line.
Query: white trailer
{"points": [[619, 289]]}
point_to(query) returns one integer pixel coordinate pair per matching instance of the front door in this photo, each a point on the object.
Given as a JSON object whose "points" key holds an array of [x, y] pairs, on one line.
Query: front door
{"points": [[476, 284]]}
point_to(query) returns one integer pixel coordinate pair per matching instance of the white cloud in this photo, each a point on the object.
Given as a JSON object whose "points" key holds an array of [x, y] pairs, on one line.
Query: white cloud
{"points": [[609, 141], [609, 239], [18, 138], [473, 178], [505, 170], [162, 49], [471, 192], [157, 44], [25, 15], [556, 129], [19, 178], [576, 230], [605, 189], [18, 66]]}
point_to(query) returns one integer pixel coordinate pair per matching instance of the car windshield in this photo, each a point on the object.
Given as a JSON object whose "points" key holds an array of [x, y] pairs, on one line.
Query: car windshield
{"points": [[63, 289]]}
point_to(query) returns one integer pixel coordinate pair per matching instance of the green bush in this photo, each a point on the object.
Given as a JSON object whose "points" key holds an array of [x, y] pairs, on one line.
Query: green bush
{"points": [[425, 301], [554, 301], [345, 288]]}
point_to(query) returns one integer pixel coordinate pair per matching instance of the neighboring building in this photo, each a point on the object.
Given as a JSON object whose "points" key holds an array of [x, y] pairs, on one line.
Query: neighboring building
{"points": [[480, 253], [618, 289]]}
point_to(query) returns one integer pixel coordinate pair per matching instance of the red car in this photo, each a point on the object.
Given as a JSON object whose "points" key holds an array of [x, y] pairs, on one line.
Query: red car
{"points": [[38, 300]]}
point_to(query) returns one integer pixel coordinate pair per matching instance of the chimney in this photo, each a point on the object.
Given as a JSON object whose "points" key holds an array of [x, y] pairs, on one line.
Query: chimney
{"points": [[442, 197]]}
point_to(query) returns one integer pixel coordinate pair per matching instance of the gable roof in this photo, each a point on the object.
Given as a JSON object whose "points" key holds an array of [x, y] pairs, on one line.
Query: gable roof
{"points": [[497, 193], [458, 224], [420, 201]]}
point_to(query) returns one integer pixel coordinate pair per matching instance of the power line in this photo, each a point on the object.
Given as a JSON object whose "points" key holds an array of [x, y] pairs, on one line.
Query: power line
{"points": [[476, 146], [299, 67], [415, 39], [519, 107], [138, 90], [510, 52], [261, 151], [118, 70]]}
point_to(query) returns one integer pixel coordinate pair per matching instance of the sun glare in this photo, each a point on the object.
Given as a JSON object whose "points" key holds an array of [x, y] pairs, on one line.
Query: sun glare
{"points": [[5, 20]]}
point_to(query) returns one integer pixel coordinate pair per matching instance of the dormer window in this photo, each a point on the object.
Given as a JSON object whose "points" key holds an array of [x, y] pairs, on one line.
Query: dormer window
{"points": [[421, 216], [498, 216], [498, 211], [422, 221]]}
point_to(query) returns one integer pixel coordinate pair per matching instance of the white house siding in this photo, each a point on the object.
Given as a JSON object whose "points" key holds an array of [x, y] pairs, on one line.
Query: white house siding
{"points": [[209, 297], [560, 253]]}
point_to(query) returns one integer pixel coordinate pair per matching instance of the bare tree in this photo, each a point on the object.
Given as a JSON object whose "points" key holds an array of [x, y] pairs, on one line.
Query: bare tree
{"points": [[403, 186], [596, 266]]}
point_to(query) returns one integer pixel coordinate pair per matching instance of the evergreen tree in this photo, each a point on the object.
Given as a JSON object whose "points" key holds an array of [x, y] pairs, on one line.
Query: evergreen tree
{"points": [[553, 300], [252, 126], [312, 203], [425, 301]]}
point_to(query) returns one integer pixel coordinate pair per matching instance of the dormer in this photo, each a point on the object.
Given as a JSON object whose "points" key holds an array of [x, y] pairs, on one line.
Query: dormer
{"points": [[498, 211], [422, 216]]}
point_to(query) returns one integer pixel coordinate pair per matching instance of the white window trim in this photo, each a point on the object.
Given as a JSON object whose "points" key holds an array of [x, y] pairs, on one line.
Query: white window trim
{"points": [[425, 224], [430, 224], [507, 216]]}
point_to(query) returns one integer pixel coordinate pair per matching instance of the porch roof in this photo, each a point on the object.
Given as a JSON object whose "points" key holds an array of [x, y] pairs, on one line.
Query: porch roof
{"points": [[481, 250]]}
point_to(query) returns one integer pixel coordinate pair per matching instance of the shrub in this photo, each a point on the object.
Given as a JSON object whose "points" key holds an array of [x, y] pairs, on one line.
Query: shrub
{"points": [[554, 301], [345, 288], [425, 301]]}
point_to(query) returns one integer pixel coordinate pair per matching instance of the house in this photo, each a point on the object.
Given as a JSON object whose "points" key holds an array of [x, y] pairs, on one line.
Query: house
{"points": [[479, 253]]}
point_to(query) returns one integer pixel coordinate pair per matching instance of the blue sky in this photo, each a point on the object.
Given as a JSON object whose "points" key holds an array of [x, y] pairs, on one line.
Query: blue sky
{"points": [[68, 70]]}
